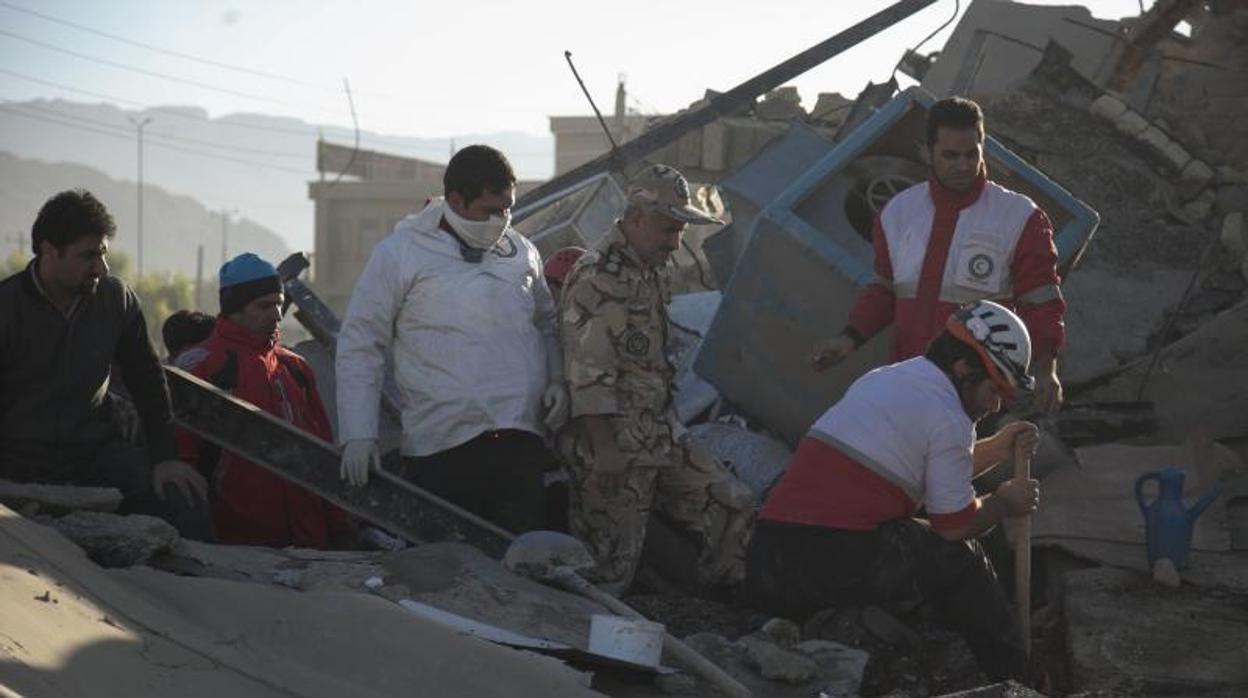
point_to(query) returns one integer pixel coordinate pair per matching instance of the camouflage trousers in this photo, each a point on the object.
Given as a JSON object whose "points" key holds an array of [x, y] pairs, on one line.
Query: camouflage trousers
{"points": [[691, 489]]}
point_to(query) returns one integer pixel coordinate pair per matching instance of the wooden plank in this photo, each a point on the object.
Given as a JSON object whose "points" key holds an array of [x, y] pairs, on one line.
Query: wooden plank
{"points": [[387, 501]]}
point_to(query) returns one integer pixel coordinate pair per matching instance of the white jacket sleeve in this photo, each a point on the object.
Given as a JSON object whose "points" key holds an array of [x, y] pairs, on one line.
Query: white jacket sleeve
{"points": [[366, 335], [546, 318]]}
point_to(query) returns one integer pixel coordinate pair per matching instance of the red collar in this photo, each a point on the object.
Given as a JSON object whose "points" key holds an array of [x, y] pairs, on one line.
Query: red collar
{"points": [[235, 333], [957, 200]]}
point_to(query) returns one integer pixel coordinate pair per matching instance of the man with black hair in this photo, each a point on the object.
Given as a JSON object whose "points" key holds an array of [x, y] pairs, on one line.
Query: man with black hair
{"points": [[840, 527], [956, 238], [183, 330], [243, 356], [459, 297], [64, 323]]}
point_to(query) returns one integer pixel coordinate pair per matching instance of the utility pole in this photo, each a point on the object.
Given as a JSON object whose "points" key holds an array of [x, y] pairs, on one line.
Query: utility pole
{"points": [[225, 233], [199, 278], [138, 125]]}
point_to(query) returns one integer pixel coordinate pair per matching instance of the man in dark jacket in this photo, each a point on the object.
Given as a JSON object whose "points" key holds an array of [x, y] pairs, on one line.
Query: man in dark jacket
{"points": [[64, 324], [250, 505]]}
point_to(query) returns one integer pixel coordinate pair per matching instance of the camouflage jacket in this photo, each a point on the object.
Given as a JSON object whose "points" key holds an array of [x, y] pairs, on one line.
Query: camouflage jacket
{"points": [[613, 326]]}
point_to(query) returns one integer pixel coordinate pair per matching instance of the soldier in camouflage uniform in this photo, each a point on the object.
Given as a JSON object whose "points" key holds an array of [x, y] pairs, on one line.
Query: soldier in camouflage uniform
{"points": [[627, 450]]}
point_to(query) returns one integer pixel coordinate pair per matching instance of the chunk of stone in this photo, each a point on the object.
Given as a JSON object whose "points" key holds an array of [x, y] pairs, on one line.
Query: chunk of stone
{"points": [[783, 632], [776, 663], [111, 540], [1197, 171], [842, 667], [1165, 573], [1107, 107], [1131, 123], [58, 499]]}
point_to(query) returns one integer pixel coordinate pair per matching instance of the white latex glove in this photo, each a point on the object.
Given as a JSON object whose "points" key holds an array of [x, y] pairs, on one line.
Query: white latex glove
{"points": [[358, 457], [555, 402]]}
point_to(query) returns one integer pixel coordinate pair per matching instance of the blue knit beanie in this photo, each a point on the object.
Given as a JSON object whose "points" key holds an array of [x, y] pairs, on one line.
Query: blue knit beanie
{"points": [[244, 279]]}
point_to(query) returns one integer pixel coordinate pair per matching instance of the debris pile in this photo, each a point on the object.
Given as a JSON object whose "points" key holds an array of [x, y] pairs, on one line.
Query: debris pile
{"points": [[1132, 137]]}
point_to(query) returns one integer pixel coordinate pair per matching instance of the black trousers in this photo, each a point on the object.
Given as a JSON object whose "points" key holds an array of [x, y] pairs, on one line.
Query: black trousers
{"points": [[795, 571], [114, 463], [497, 476]]}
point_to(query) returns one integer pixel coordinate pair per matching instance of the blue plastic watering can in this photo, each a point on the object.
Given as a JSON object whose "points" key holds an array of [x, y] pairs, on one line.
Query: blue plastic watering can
{"points": [[1167, 523]]}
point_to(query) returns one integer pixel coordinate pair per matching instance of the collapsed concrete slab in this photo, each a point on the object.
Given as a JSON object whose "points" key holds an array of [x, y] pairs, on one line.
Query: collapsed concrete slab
{"points": [[1096, 500], [460, 579], [1129, 635], [1199, 383], [73, 629], [998, 43], [810, 253], [1089, 510]]}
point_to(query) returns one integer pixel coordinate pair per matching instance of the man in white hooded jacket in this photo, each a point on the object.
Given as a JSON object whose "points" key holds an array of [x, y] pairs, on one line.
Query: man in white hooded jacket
{"points": [[459, 296]]}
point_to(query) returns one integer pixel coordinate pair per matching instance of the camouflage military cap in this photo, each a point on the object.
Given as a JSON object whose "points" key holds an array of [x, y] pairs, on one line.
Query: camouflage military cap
{"points": [[664, 189]]}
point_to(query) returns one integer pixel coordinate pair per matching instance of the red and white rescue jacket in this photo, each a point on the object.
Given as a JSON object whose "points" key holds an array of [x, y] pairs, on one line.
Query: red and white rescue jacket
{"points": [[936, 249]]}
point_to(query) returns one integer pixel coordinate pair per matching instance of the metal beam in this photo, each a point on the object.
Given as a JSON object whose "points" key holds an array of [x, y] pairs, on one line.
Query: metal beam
{"points": [[1150, 29], [731, 100], [299, 457], [319, 319]]}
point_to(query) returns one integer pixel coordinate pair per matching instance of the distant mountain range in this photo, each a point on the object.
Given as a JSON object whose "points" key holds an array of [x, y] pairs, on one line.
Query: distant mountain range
{"points": [[256, 167], [174, 225]]}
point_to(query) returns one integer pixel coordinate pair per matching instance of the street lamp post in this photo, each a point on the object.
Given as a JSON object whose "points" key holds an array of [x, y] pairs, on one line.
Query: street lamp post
{"points": [[225, 235], [138, 125]]}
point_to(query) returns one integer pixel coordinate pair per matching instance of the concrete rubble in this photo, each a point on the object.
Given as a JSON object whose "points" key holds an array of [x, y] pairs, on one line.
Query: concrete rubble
{"points": [[1128, 635], [1142, 164], [56, 499], [117, 541], [71, 628]]}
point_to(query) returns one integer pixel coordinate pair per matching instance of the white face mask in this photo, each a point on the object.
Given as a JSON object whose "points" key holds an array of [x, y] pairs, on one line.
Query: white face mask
{"points": [[479, 234]]}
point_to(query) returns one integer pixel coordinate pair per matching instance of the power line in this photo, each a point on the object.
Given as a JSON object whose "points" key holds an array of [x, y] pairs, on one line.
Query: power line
{"points": [[178, 139], [162, 76], [164, 110], [310, 131], [167, 146], [238, 68], [159, 49]]}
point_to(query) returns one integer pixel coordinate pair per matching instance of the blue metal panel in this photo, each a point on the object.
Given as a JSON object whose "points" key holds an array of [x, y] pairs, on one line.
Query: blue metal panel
{"points": [[844, 153]]}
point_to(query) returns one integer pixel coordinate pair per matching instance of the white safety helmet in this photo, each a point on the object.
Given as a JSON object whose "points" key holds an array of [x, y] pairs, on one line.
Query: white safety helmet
{"points": [[1001, 340]]}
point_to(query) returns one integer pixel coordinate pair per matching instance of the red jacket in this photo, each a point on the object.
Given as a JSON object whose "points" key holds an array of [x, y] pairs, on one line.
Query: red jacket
{"points": [[920, 316], [250, 505]]}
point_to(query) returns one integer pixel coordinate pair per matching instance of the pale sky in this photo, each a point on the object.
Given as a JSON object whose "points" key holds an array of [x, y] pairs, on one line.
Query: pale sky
{"points": [[439, 69]]}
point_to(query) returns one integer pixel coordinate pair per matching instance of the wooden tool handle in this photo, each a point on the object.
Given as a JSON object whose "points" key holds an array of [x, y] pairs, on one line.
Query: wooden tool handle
{"points": [[1022, 553]]}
